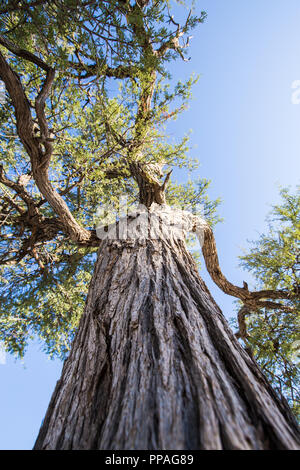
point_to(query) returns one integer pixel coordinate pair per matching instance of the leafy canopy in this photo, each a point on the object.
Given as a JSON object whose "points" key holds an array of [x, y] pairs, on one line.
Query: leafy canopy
{"points": [[104, 111]]}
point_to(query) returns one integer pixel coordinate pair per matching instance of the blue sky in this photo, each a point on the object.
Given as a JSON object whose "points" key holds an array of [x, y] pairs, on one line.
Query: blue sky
{"points": [[246, 134]]}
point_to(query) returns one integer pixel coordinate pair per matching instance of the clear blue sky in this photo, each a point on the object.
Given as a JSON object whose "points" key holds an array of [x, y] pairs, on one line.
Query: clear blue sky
{"points": [[246, 134]]}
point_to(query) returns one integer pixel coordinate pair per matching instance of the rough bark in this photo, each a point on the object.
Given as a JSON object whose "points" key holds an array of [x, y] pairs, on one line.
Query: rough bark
{"points": [[154, 364]]}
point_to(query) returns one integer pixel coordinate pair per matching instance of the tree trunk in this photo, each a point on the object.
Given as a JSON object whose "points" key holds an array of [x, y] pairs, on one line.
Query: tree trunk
{"points": [[154, 364]]}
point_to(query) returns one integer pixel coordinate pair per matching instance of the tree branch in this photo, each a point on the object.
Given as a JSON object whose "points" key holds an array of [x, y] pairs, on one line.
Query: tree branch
{"points": [[24, 54], [40, 158], [251, 300], [122, 71], [19, 189]]}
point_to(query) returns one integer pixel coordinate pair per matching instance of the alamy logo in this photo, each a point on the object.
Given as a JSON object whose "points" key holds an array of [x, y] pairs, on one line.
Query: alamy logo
{"points": [[2, 93], [296, 352], [295, 97], [2, 354], [140, 223]]}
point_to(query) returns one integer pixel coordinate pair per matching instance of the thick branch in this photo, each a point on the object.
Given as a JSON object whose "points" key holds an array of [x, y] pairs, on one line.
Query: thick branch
{"points": [[147, 177], [40, 158], [250, 299], [149, 57], [242, 333], [24, 54], [40, 112], [210, 255]]}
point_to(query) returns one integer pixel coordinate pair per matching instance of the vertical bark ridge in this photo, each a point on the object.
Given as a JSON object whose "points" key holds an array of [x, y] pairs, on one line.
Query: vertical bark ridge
{"points": [[154, 364]]}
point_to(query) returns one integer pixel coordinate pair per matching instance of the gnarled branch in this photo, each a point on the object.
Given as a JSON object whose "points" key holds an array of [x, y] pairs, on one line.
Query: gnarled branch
{"points": [[252, 301], [39, 156]]}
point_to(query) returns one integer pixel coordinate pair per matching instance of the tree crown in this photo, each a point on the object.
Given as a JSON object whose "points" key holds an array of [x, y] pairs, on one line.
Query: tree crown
{"points": [[88, 96]]}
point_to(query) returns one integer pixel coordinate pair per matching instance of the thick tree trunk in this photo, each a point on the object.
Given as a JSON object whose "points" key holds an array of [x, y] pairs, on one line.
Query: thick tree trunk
{"points": [[155, 366]]}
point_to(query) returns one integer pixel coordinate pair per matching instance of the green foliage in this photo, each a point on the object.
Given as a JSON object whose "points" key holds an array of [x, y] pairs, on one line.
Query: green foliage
{"points": [[104, 71], [273, 260], [45, 303]]}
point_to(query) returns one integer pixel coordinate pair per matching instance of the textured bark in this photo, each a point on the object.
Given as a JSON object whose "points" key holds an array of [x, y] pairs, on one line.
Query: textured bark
{"points": [[154, 365]]}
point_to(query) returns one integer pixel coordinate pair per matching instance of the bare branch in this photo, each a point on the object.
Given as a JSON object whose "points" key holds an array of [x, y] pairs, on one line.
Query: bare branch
{"points": [[251, 300]]}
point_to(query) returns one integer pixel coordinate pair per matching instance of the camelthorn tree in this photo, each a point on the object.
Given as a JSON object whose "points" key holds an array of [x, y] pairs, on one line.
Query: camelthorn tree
{"points": [[153, 364]]}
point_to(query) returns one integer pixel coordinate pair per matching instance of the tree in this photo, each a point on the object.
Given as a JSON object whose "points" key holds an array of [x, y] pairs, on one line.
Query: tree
{"points": [[153, 363], [273, 334]]}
